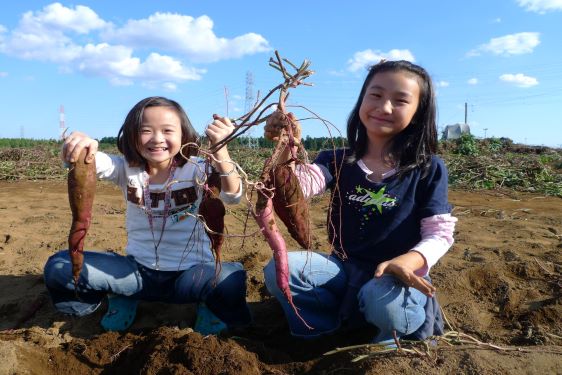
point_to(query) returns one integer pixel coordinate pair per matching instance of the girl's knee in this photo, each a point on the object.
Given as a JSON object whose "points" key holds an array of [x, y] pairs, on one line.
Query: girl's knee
{"points": [[231, 273], [377, 300], [235, 280], [232, 280], [297, 261], [270, 275], [57, 265], [387, 304], [380, 291], [229, 292]]}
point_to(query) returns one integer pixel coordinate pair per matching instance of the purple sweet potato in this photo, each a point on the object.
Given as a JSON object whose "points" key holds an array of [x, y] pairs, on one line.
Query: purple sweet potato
{"points": [[212, 211], [290, 205], [81, 191]]}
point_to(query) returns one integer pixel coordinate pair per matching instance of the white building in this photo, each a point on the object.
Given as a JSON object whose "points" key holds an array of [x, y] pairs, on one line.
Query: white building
{"points": [[455, 131]]}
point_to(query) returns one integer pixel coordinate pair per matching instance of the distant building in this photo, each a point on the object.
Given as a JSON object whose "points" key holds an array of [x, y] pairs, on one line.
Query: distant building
{"points": [[455, 131]]}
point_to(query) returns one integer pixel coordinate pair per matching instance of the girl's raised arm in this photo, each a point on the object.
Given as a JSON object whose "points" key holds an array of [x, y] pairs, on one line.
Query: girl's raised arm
{"points": [[219, 129]]}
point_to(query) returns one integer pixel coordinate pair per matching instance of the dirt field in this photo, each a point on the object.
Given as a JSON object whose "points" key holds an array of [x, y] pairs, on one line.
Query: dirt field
{"points": [[500, 283]]}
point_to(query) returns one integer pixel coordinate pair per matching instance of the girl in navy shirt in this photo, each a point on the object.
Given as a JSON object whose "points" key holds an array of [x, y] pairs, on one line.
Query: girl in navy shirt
{"points": [[389, 221]]}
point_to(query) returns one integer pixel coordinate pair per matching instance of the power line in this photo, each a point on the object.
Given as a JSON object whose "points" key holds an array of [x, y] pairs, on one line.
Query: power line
{"points": [[249, 92], [249, 104]]}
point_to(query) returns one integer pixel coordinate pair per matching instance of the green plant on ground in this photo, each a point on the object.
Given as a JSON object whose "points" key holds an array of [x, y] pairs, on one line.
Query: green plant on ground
{"points": [[471, 166], [495, 145], [467, 145]]}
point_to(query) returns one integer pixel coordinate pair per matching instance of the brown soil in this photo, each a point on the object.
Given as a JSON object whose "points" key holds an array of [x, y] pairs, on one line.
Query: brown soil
{"points": [[500, 283]]}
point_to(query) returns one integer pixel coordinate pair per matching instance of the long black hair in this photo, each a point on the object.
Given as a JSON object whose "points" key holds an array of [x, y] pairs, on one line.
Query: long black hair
{"points": [[414, 145], [128, 138]]}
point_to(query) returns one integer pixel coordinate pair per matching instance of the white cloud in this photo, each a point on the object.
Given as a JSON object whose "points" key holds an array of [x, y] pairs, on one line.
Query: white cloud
{"points": [[118, 64], [168, 86], [56, 34], [41, 35], [43, 46], [368, 57], [192, 37], [513, 44], [442, 84], [472, 81], [3, 74], [497, 20], [519, 80], [540, 6], [104, 59], [161, 67], [55, 16]]}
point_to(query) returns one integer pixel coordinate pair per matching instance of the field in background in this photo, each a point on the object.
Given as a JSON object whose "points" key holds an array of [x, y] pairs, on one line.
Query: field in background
{"points": [[489, 164]]}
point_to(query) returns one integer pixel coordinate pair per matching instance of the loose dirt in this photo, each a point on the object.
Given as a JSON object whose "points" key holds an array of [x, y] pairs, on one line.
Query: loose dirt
{"points": [[501, 283]]}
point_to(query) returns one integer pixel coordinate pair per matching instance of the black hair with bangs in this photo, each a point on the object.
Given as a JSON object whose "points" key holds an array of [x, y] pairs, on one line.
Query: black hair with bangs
{"points": [[414, 145], [128, 138]]}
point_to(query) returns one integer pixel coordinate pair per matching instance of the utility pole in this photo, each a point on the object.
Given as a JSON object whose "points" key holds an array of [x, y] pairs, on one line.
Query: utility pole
{"points": [[226, 99], [249, 103], [465, 112], [62, 125], [485, 130]]}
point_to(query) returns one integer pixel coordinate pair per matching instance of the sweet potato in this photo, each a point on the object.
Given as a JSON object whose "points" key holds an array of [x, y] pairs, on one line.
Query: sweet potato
{"points": [[212, 211], [81, 191], [266, 221], [287, 199], [290, 205]]}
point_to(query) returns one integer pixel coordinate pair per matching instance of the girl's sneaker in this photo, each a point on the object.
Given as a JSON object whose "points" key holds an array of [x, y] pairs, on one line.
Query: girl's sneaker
{"points": [[121, 312], [207, 323]]}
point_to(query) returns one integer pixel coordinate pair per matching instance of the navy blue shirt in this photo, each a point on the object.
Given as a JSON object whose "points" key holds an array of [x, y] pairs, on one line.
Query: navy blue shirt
{"points": [[380, 221], [371, 222]]}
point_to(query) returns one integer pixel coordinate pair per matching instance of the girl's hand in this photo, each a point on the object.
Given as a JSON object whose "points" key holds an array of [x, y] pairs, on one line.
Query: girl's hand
{"points": [[74, 144], [219, 129], [278, 121], [401, 267]]}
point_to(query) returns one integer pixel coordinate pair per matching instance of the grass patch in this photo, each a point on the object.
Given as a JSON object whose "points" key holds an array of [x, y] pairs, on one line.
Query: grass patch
{"points": [[494, 163]]}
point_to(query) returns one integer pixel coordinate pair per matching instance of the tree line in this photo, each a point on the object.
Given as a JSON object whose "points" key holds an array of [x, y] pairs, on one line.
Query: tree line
{"points": [[27, 142], [310, 143]]}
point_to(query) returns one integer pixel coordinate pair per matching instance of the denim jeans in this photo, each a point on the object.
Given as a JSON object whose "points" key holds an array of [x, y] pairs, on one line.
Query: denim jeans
{"points": [[318, 285], [105, 272]]}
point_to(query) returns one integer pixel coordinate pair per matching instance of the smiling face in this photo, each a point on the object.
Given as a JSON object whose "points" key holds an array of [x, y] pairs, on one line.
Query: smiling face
{"points": [[160, 136], [389, 104]]}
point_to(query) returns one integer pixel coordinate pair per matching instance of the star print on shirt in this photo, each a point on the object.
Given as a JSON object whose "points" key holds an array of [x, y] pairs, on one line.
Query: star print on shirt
{"points": [[377, 199]]}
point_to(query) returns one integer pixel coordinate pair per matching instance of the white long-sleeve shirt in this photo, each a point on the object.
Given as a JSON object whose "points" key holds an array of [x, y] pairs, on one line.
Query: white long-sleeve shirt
{"points": [[184, 242]]}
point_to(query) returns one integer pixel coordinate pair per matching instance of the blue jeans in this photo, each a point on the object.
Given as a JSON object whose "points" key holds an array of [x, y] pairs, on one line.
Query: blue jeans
{"points": [[105, 272], [318, 285]]}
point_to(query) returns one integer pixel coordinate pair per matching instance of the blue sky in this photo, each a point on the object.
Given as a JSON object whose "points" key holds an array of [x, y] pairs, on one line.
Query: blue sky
{"points": [[98, 58]]}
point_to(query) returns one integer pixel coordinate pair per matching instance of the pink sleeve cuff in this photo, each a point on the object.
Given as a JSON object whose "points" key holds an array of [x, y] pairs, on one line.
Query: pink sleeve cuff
{"points": [[437, 238], [311, 179]]}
